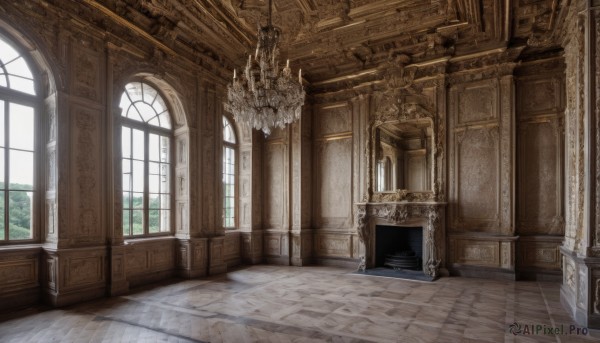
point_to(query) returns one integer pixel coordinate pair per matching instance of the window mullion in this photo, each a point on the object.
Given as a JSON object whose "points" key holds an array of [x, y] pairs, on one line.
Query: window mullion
{"points": [[146, 182], [130, 190], [6, 169]]}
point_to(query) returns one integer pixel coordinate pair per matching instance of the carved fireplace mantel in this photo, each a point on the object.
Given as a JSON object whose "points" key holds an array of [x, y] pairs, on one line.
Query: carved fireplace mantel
{"points": [[428, 215]]}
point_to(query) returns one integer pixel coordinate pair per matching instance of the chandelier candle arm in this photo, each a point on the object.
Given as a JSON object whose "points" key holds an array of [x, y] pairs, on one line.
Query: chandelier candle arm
{"points": [[264, 96]]}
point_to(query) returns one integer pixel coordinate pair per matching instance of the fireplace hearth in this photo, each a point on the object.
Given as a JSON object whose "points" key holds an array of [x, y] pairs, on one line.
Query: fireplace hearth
{"points": [[399, 248], [402, 236]]}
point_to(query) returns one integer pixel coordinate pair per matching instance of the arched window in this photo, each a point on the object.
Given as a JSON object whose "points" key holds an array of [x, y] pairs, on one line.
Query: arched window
{"points": [[146, 161], [18, 141], [229, 175]]}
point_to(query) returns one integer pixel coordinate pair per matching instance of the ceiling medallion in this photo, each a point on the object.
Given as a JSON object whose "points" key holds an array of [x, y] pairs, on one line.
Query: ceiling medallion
{"points": [[263, 96]]}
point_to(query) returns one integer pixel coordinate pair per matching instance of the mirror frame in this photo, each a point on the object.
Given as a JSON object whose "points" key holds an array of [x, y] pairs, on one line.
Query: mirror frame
{"points": [[405, 112]]}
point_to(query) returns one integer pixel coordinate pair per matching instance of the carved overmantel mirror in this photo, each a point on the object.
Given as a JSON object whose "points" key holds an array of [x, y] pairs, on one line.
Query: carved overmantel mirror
{"points": [[404, 154]]}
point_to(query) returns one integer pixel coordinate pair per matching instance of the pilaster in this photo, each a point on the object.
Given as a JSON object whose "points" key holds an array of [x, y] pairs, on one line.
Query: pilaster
{"points": [[580, 291]]}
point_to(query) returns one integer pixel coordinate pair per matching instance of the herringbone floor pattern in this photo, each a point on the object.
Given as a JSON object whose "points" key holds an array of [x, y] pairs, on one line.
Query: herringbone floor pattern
{"points": [[308, 304]]}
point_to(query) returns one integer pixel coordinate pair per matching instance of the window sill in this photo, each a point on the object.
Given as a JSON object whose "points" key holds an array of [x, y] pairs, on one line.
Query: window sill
{"points": [[140, 240], [33, 247]]}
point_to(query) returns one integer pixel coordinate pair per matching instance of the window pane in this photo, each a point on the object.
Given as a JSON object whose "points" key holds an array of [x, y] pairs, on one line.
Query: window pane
{"points": [[2, 178], [126, 200], [2, 120], [137, 222], [149, 94], [22, 85], [21, 170], [228, 186], [7, 52], [228, 134], [145, 110], [133, 113], [165, 202], [124, 104], [138, 144], [153, 147], [153, 183], [19, 215], [164, 220], [21, 127], [154, 121], [154, 168], [1, 215], [165, 120], [164, 149], [154, 221], [137, 201], [126, 142], [138, 176], [126, 166], [19, 67], [154, 201], [159, 105], [134, 90], [126, 222], [164, 178]]}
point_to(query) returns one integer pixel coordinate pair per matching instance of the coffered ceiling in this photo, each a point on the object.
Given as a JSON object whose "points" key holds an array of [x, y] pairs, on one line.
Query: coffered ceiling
{"points": [[329, 39]]}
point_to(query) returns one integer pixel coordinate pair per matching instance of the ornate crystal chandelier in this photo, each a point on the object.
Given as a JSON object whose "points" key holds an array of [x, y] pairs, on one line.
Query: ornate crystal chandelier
{"points": [[263, 96]]}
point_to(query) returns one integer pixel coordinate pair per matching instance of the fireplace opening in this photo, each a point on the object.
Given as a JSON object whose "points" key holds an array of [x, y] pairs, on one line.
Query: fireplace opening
{"points": [[399, 248]]}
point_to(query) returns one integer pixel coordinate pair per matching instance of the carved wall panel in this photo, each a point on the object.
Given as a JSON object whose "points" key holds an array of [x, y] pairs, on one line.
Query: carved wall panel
{"points": [[477, 102], [333, 119], [145, 258], [538, 254], [539, 190], [333, 183], [273, 244], [85, 174], [199, 254], [539, 96], [81, 271], [275, 184], [356, 253], [18, 273], [477, 183], [333, 245], [137, 261], [481, 253], [85, 79], [232, 250]]}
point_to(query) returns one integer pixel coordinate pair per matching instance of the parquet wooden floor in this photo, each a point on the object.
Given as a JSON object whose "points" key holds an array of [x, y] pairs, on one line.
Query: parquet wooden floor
{"points": [[307, 304]]}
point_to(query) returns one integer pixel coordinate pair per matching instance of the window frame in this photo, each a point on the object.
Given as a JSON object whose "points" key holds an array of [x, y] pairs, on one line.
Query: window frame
{"points": [[35, 101], [236, 173], [148, 129]]}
